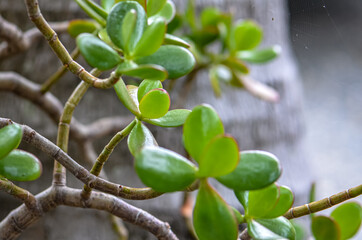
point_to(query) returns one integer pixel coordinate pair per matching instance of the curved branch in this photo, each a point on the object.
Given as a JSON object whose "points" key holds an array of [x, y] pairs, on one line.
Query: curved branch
{"points": [[26, 197]]}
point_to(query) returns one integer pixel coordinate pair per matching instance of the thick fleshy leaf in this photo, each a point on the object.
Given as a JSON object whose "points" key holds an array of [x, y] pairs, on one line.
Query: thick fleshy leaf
{"points": [[155, 104], [103, 35], [190, 14], [236, 65], [10, 138], [325, 228], [125, 97], [132, 91], [283, 204], [107, 4], [210, 17], [128, 26], [173, 118], [219, 157], [152, 39], [96, 52], [213, 219], [246, 36], [96, 8], [271, 229], [164, 170], [146, 86], [140, 137], [154, 6], [168, 12], [79, 26], [260, 55], [20, 166], [115, 22], [178, 61], [173, 40], [145, 71], [348, 216], [143, 3], [202, 125], [256, 170]]}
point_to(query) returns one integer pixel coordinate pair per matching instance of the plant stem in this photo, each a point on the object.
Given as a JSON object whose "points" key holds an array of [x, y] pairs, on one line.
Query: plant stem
{"points": [[91, 12], [107, 151], [324, 203], [58, 74], [26, 197]]}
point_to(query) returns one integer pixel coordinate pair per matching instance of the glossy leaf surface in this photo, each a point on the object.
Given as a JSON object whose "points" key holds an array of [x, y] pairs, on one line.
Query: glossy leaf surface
{"points": [[154, 6], [140, 137], [219, 157], [155, 104], [284, 203], [79, 26], [164, 170], [128, 27], [10, 138], [20, 166], [173, 40], [145, 71], [247, 35], [213, 219], [96, 52], [325, 228], [146, 86], [176, 60], [202, 125], [168, 12], [271, 229], [107, 4], [260, 55], [124, 96], [348, 216], [152, 39], [173, 118], [262, 201], [256, 169], [115, 22]]}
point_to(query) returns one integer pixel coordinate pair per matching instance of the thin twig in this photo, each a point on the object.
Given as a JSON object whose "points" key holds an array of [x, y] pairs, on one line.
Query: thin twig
{"points": [[26, 197]]}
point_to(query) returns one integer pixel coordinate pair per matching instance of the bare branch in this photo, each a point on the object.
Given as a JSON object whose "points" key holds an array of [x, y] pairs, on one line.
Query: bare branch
{"points": [[26, 197]]}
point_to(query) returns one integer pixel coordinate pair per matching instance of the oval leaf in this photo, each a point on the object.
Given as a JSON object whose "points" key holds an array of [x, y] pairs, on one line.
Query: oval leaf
{"points": [[213, 219], [176, 60], [146, 71], [79, 26], [152, 38], [246, 36], [173, 118], [140, 137], [173, 40], [168, 12], [125, 97], [219, 157], [115, 22], [325, 228], [284, 203], [96, 52], [202, 125], [271, 229], [260, 56], [146, 86], [348, 216], [155, 104], [164, 170], [10, 138], [256, 169], [20, 166], [154, 6]]}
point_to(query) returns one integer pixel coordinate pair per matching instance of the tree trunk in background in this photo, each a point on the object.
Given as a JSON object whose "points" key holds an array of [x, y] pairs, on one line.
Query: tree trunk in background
{"points": [[256, 124]]}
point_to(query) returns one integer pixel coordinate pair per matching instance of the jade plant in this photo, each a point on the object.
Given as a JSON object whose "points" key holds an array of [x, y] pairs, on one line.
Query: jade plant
{"points": [[135, 41]]}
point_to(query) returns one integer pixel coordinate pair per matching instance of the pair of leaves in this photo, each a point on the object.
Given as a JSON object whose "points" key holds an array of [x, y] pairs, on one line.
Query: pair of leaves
{"points": [[15, 164], [343, 223]]}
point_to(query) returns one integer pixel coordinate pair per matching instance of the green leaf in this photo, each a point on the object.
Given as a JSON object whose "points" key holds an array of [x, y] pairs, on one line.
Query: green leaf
{"points": [[176, 60], [128, 27], [246, 36], [173, 40], [146, 86], [173, 118], [190, 14], [125, 97], [168, 12], [262, 201], [155, 104], [20, 166], [325, 228], [145, 71], [256, 169], [236, 65], [140, 137], [271, 229], [219, 157], [348, 216], [213, 219], [175, 24], [96, 52], [210, 17], [154, 6], [132, 91], [202, 125], [79, 26], [107, 4], [98, 9], [91, 12], [152, 39], [141, 2], [164, 170], [283, 204], [214, 80], [103, 35], [299, 230], [260, 55], [115, 22], [10, 138]]}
